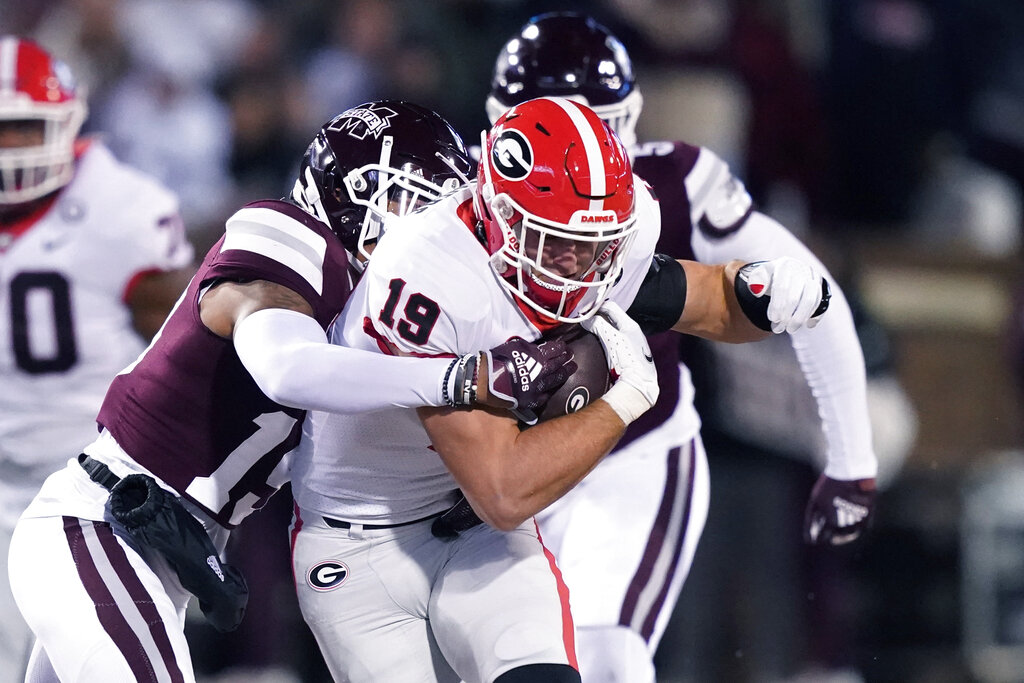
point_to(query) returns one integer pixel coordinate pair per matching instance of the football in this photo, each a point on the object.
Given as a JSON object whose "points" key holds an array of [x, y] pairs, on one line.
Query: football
{"points": [[590, 380]]}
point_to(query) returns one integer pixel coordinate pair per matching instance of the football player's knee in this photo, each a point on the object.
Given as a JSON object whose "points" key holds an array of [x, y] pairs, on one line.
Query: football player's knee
{"points": [[613, 654], [540, 673]]}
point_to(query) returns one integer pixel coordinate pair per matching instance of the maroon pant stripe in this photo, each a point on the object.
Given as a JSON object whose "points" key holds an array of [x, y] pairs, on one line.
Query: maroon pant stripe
{"points": [[139, 594], [107, 611], [656, 541], [659, 603]]}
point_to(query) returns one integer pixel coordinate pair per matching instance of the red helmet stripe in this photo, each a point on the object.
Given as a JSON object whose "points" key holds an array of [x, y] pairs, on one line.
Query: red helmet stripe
{"points": [[595, 160], [8, 64]]}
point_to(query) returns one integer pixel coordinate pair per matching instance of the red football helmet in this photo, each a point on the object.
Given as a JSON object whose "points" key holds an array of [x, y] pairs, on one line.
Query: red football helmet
{"points": [[557, 202], [36, 89]]}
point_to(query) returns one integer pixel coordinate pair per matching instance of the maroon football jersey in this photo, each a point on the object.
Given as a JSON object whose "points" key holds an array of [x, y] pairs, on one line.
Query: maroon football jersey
{"points": [[187, 410]]}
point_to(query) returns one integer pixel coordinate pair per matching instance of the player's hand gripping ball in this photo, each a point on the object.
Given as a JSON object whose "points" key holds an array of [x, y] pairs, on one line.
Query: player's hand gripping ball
{"points": [[590, 380]]}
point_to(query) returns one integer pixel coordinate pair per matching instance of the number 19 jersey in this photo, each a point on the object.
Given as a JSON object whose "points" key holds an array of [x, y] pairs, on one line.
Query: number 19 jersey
{"points": [[427, 291]]}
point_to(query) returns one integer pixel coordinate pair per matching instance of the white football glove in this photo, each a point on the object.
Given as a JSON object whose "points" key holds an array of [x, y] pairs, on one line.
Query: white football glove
{"points": [[797, 293], [630, 360]]}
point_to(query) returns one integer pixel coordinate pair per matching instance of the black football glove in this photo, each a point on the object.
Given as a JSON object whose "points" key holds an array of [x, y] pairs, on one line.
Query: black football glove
{"points": [[838, 511], [525, 374], [157, 519], [455, 520]]}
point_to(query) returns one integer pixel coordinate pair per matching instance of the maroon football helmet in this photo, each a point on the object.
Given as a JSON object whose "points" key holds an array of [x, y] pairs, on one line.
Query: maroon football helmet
{"points": [[565, 54], [37, 90], [377, 158]]}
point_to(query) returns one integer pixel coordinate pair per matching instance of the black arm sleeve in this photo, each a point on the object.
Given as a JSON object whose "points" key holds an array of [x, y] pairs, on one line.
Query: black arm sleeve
{"points": [[662, 296]]}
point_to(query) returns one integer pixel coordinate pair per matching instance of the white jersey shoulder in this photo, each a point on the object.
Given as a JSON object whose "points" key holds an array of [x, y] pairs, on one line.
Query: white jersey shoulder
{"points": [[719, 202], [129, 209]]}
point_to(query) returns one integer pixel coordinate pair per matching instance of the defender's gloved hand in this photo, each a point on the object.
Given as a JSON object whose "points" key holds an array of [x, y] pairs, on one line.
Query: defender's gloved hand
{"points": [[521, 376], [782, 295], [630, 360], [838, 511]]}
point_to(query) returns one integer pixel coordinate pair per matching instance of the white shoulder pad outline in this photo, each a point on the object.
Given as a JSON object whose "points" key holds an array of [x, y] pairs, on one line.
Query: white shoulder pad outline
{"points": [[278, 237], [719, 202]]}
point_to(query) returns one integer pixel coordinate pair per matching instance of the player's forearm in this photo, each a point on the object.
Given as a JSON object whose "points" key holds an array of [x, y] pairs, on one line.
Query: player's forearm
{"points": [[712, 310], [552, 457], [289, 357], [510, 475]]}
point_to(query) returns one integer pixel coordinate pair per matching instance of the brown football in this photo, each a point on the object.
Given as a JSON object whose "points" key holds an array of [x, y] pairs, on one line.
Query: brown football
{"points": [[590, 380]]}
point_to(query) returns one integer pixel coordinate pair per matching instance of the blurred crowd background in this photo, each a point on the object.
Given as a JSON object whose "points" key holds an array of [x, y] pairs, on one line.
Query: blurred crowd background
{"points": [[888, 134]]}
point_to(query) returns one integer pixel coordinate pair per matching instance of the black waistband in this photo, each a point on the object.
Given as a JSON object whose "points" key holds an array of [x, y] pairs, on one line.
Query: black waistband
{"points": [[98, 472], [341, 524]]}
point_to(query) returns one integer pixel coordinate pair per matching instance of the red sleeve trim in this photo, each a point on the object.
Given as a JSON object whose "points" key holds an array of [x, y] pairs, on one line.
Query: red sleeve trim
{"points": [[390, 349]]}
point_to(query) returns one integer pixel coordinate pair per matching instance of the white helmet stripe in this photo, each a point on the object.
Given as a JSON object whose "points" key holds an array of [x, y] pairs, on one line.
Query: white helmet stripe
{"points": [[8, 64], [595, 161]]}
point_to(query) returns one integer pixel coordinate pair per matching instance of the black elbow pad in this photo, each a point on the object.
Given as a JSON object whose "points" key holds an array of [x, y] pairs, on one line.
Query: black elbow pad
{"points": [[662, 296]]}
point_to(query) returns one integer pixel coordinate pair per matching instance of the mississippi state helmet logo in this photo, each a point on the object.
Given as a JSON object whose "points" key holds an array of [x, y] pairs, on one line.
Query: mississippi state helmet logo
{"points": [[326, 575], [512, 156], [364, 121]]}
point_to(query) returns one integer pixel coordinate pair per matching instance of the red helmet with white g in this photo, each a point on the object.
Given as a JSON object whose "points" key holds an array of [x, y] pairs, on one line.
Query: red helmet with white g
{"points": [[37, 90], [556, 197]]}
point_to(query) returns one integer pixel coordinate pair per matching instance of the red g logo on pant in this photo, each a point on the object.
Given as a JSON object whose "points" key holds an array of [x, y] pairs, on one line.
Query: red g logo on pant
{"points": [[327, 575]]}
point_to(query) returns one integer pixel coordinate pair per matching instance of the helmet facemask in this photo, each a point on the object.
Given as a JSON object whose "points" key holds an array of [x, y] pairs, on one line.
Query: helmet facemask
{"points": [[366, 196], [383, 189]]}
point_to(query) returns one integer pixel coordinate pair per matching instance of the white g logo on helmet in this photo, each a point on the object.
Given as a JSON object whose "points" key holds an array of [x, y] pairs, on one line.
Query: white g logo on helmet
{"points": [[512, 155]]}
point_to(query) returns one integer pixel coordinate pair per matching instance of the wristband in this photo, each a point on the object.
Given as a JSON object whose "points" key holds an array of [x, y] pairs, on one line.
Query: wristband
{"points": [[458, 388], [627, 401], [754, 306]]}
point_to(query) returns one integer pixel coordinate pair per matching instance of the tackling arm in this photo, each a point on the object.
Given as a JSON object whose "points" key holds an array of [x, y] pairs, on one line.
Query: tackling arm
{"points": [[833, 366], [288, 355], [290, 358]]}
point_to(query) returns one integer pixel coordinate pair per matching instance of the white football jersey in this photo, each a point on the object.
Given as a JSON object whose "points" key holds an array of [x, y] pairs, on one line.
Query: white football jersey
{"points": [[428, 290], [65, 329]]}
